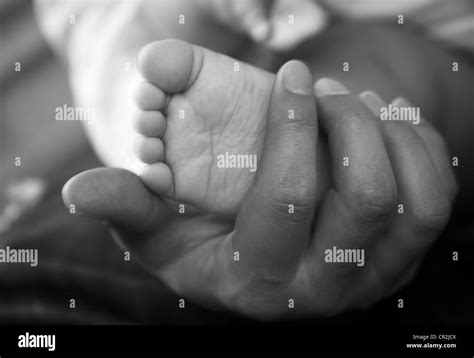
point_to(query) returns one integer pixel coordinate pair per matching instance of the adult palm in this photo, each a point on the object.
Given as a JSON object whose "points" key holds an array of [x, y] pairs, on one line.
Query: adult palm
{"points": [[269, 262]]}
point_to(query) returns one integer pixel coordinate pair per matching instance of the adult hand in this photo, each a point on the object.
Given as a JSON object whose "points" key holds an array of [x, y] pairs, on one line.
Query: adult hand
{"points": [[272, 260]]}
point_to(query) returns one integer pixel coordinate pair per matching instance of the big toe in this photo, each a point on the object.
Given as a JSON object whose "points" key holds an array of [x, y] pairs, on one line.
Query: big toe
{"points": [[172, 65]]}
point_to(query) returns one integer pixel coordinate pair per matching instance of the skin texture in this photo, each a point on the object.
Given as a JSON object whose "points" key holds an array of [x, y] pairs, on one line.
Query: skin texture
{"points": [[223, 112], [392, 62], [397, 61], [280, 253]]}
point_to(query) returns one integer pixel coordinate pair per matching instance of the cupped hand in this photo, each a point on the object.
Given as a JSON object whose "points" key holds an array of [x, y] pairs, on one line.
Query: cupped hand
{"points": [[275, 259]]}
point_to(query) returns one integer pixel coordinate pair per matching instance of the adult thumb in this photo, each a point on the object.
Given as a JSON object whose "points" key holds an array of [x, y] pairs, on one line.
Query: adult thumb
{"points": [[115, 196]]}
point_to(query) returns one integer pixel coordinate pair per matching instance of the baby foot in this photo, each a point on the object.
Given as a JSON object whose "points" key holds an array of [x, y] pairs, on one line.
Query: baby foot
{"points": [[202, 122]]}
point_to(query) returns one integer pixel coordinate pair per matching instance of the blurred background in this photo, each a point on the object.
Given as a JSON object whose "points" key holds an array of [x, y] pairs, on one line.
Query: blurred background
{"points": [[28, 99]]}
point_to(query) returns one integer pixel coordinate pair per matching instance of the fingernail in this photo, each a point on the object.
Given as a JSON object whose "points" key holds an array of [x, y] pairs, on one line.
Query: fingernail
{"points": [[373, 101], [401, 102], [329, 87], [296, 78]]}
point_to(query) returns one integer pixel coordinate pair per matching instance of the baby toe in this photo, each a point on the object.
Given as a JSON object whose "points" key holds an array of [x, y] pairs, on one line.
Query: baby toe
{"points": [[149, 123], [158, 178], [149, 150], [149, 97]]}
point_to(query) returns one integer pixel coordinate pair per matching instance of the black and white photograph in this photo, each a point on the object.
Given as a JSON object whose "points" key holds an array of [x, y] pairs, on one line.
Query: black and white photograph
{"points": [[217, 176]]}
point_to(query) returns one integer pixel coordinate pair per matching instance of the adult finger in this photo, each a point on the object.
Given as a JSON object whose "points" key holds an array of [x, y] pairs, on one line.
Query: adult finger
{"points": [[274, 221], [424, 203], [436, 147], [358, 210], [115, 196]]}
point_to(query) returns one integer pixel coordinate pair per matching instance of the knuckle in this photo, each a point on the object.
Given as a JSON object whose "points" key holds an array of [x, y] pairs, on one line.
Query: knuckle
{"points": [[291, 210], [302, 116], [432, 215], [372, 205], [292, 203]]}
